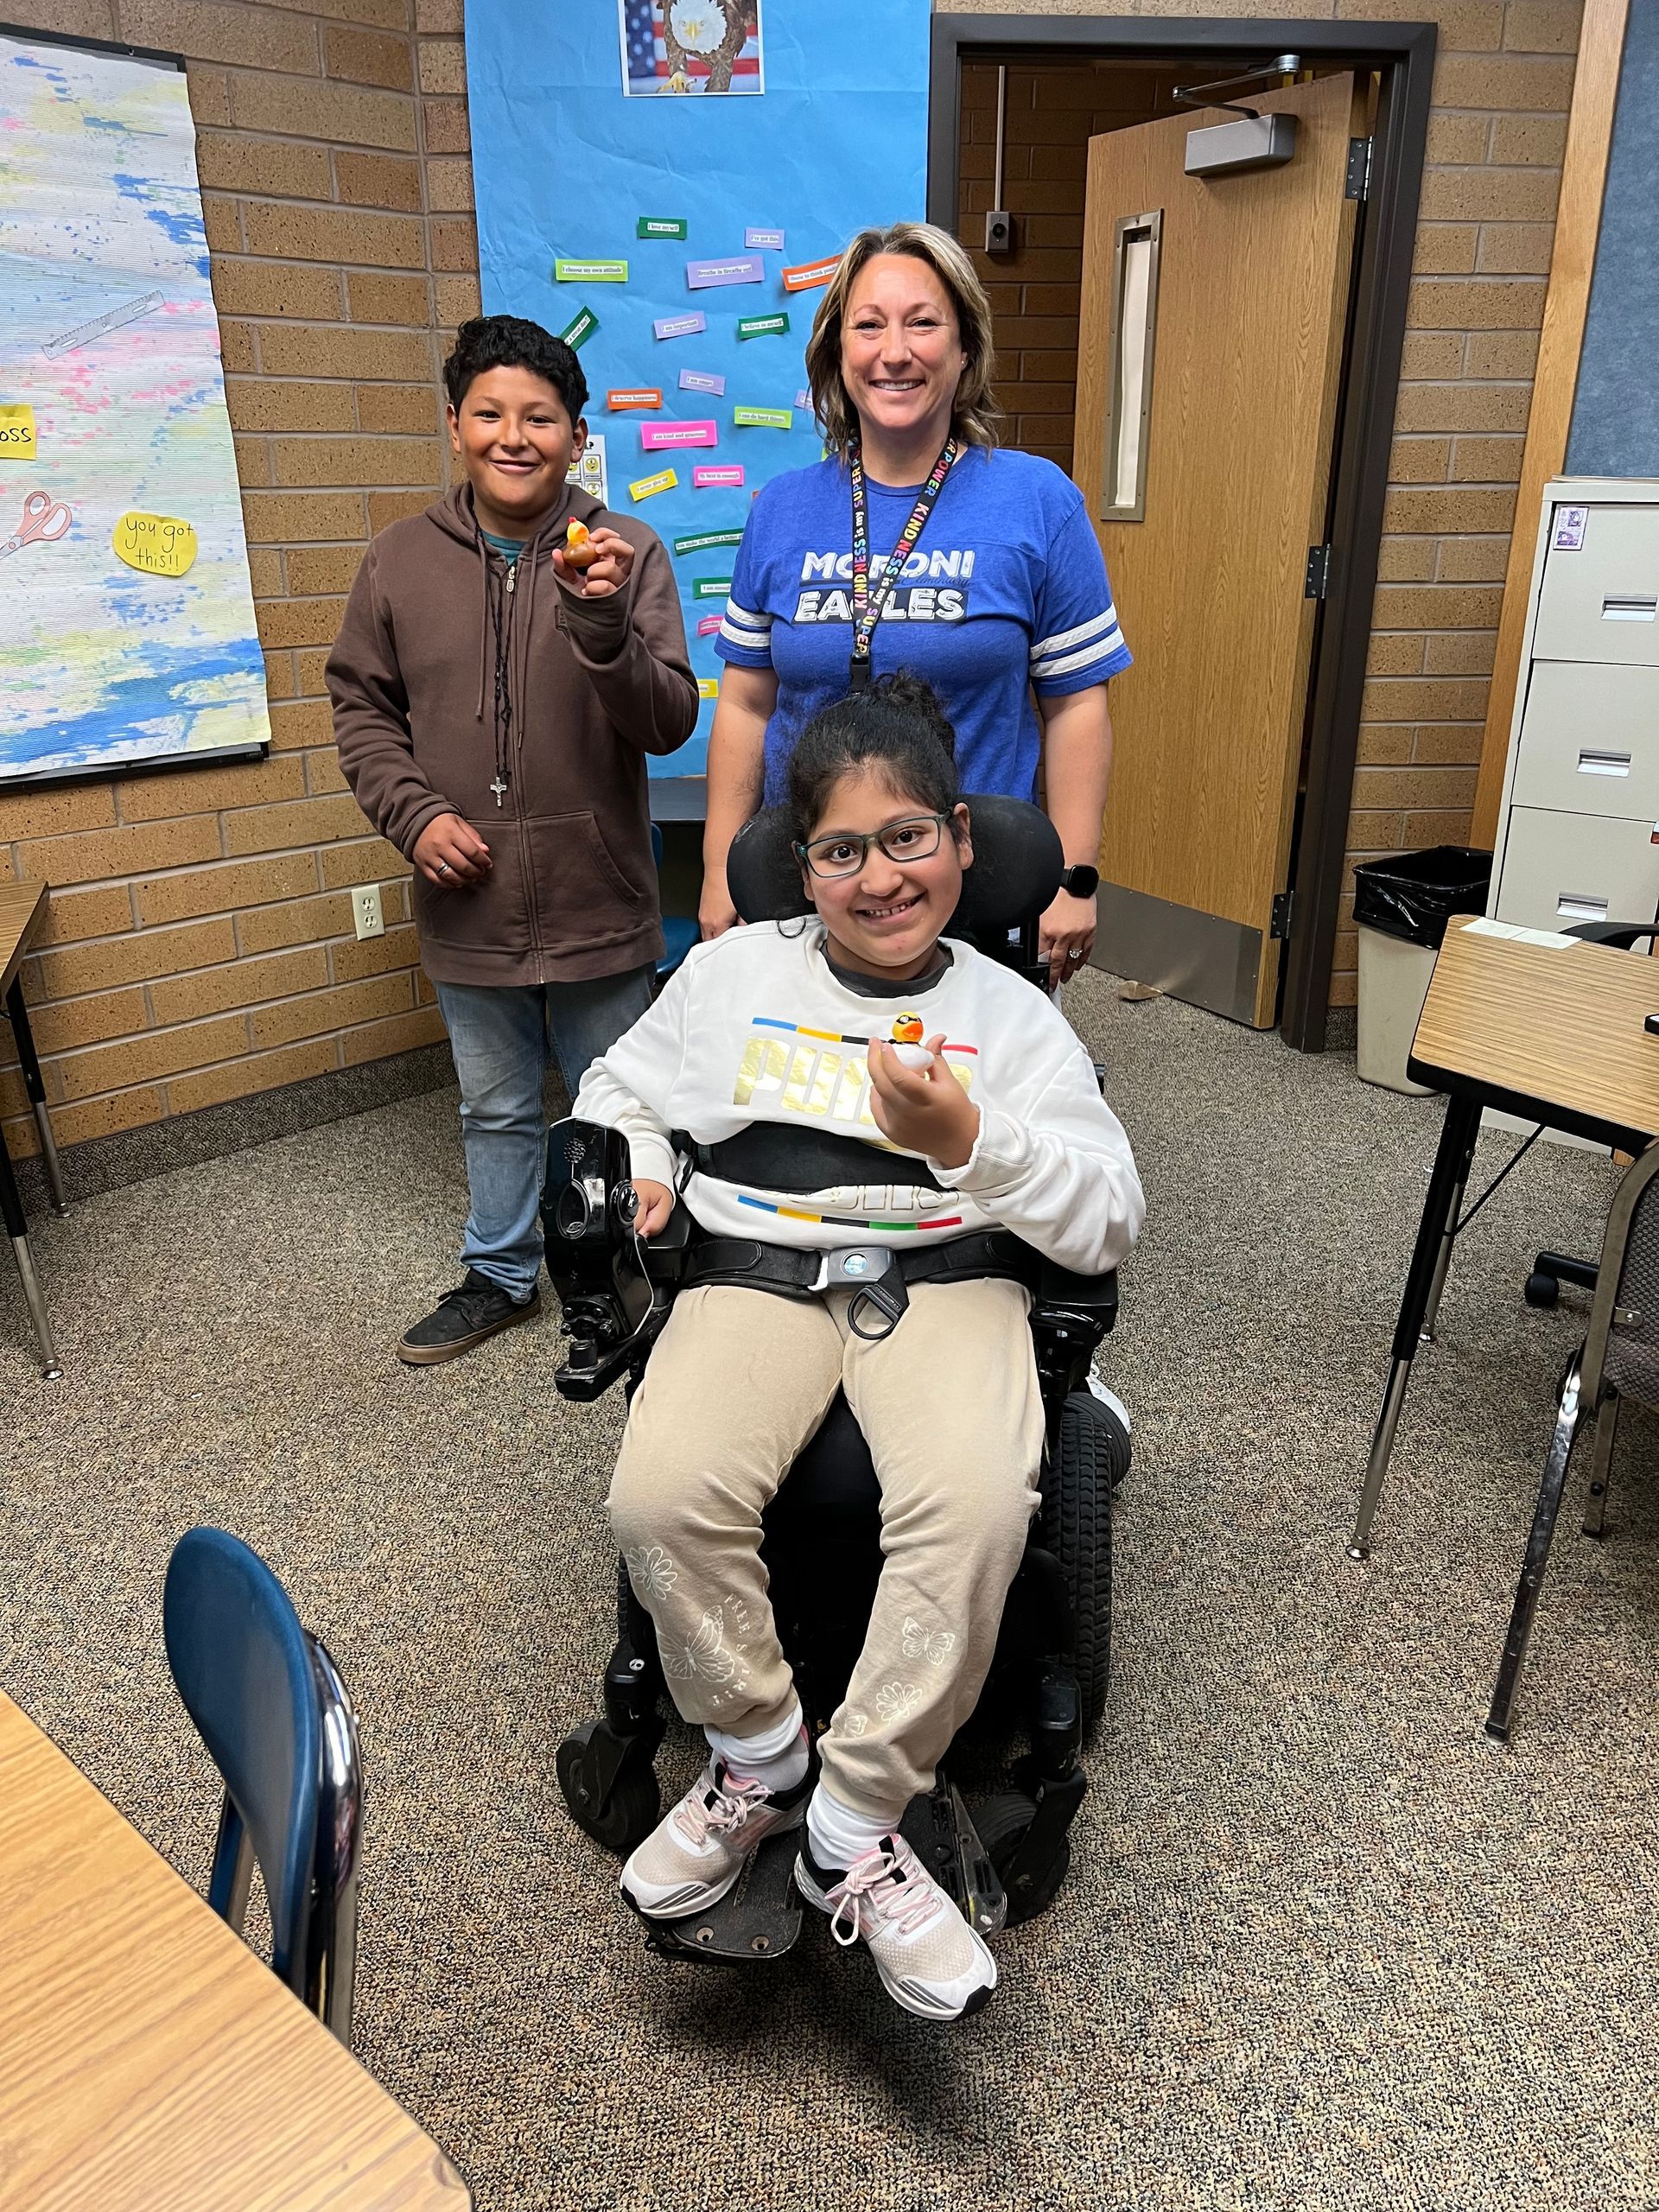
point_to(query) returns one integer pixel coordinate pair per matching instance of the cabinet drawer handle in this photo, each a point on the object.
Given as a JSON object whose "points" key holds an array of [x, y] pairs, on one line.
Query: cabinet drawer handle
{"points": [[1572, 907], [1604, 764], [1625, 607]]}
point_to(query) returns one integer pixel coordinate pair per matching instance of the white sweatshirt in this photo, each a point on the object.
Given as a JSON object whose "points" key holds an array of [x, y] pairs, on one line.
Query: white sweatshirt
{"points": [[754, 1027]]}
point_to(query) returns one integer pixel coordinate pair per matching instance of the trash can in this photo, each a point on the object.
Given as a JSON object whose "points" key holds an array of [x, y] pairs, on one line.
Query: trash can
{"points": [[1402, 905]]}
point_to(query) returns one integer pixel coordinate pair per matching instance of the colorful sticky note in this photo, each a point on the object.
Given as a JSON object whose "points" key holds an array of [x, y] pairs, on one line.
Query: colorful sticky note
{"points": [[702, 380], [763, 326], [803, 398], [701, 540], [708, 687], [742, 268], [763, 418], [18, 432], [680, 326], [578, 332], [807, 275], [590, 272], [708, 625], [646, 488], [712, 587], [713, 473], [658, 437], [660, 226], [159, 545], [643, 395], [771, 240]]}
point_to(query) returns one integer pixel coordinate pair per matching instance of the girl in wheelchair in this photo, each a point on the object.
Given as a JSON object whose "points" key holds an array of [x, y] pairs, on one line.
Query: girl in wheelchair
{"points": [[808, 1029]]}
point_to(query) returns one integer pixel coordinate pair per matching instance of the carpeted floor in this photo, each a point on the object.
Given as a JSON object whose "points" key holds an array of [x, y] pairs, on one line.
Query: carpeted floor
{"points": [[1322, 1946]]}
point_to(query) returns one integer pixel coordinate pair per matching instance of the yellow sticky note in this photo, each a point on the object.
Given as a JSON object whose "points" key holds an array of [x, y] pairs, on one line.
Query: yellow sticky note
{"points": [[708, 687], [646, 488], [16, 431], [159, 545]]}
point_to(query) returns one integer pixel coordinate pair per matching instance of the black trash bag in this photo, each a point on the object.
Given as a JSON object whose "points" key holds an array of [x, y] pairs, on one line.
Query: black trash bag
{"points": [[1415, 895]]}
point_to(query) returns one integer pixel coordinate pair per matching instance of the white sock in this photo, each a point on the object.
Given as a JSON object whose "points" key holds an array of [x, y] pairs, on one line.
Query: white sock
{"points": [[777, 1756], [839, 1836]]}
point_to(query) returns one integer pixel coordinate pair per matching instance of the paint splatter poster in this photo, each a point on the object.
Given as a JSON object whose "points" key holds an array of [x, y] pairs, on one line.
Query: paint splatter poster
{"points": [[127, 628]]}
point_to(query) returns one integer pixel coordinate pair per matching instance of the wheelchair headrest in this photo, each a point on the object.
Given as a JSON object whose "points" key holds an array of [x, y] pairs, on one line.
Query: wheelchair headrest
{"points": [[1016, 871]]}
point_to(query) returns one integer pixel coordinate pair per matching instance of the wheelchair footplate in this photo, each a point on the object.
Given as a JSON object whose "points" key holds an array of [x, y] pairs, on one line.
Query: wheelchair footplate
{"points": [[939, 1829], [759, 1917]]}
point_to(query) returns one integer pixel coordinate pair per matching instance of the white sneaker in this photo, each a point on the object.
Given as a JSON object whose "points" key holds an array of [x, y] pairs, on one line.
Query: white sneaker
{"points": [[930, 1959], [691, 1858]]}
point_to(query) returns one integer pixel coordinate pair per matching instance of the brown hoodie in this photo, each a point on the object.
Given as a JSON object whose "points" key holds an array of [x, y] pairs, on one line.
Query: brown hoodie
{"points": [[449, 675]]}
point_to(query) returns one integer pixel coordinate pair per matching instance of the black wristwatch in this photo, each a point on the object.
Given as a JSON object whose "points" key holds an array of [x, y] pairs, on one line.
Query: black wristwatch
{"points": [[1080, 880]]}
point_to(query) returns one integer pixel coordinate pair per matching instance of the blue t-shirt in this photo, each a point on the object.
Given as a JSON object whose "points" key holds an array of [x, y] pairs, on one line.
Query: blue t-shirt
{"points": [[1006, 594]]}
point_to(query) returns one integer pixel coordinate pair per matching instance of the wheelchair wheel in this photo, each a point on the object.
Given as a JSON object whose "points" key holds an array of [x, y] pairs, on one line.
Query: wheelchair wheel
{"points": [[1002, 1823], [620, 1820], [1076, 1528]]}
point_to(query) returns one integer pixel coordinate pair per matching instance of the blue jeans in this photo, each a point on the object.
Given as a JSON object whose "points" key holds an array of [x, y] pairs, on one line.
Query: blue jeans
{"points": [[501, 1037]]}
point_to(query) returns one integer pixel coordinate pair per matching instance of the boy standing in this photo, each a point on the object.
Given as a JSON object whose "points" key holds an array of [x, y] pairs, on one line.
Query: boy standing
{"points": [[493, 707]]}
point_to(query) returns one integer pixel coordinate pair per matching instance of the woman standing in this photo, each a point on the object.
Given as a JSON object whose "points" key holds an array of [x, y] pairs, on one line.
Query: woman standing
{"points": [[917, 544]]}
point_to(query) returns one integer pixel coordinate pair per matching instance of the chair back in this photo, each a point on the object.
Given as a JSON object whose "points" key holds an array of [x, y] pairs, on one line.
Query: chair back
{"points": [[274, 1715], [1622, 1343]]}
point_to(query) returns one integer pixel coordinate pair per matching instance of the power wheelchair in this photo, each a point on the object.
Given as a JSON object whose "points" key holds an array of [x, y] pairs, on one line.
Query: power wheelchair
{"points": [[1003, 1861]]}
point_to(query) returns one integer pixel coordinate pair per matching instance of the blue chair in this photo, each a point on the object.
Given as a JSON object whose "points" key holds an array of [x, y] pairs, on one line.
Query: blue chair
{"points": [[680, 931], [273, 1712]]}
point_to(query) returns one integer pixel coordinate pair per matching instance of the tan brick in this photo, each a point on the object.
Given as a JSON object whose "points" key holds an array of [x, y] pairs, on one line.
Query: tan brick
{"points": [[1461, 653], [223, 890], [1370, 833], [226, 162], [1542, 26], [1510, 85], [1502, 353], [1515, 249], [241, 983], [1419, 460], [109, 963], [1406, 560], [369, 58], [268, 288], [242, 1079], [1435, 607], [302, 921], [1459, 137], [373, 956], [332, 1010], [1486, 460], [303, 108], [1464, 406], [1395, 653], [455, 299], [1465, 26], [1384, 744], [1476, 303], [384, 15], [1453, 744], [1410, 699], [332, 351], [1447, 827], [1431, 353], [1486, 195], [307, 723], [447, 129], [1472, 559], [1413, 787], [387, 299], [317, 518], [378, 181], [113, 1067], [302, 821], [449, 186], [75, 18], [1540, 139], [293, 233], [51, 813], [398, 407], [403, 1034], [252, 462], [1445, 250], [100, 852], [102, 1117], [299, 621], [72, 1023], [1447, 510], [322, 773], [438, 16], [444, 66], [235, 348], [316, 570], [370, 860], [205, 791], [265, 571], [312, 660], [73, 916], [424, 994], [378, 461], [279, 676], [285, 403], [453, 242], [214, 30], [386, 507]]}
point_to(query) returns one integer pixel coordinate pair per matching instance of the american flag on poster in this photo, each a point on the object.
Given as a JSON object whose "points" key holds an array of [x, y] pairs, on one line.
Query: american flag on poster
{"points": [[690, 46]]}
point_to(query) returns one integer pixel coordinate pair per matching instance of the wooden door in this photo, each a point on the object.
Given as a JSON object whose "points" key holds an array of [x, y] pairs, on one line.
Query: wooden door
{"points": [[1222, 424]]}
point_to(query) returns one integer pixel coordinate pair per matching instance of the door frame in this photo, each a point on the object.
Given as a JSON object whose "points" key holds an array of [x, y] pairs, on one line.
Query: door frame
{"points": [[1403, 55]]}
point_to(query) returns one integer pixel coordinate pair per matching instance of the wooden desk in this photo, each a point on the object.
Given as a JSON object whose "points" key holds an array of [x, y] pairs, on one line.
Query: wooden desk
{"points": [[149, 2060], [1551, 1031], [22, 909]]}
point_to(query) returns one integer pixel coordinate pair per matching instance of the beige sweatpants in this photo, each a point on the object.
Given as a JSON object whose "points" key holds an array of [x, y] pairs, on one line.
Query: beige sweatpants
{"points": [[948, 1404]]}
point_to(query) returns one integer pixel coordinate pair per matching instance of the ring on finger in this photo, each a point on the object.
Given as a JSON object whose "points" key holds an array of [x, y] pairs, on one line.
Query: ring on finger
{"points": [[444, 868]]}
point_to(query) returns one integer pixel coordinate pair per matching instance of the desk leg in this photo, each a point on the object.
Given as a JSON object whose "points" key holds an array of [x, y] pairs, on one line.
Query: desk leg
{"points": [[1537, 1558], [1429, 1261], [34, 1083], [11, 1209]]}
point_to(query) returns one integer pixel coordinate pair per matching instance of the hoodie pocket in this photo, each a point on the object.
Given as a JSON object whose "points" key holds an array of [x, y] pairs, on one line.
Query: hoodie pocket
{"points": [[582, 888], [490, 917]]}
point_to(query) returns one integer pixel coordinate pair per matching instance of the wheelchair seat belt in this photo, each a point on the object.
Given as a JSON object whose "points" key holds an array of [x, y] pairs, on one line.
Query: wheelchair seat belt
{"points": [[878, 1276]]}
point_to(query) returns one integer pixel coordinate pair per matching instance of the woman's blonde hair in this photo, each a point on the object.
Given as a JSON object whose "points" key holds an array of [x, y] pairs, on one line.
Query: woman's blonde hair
{"points": [[975, 410]]}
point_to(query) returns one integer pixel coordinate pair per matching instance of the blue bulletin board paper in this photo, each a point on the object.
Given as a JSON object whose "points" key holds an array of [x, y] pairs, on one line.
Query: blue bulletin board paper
{"points": [[566, 167]]}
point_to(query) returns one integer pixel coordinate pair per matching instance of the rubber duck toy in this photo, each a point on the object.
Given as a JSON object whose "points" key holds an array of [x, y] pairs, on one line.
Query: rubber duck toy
{"points": [[579, 550], [908, 1046]]}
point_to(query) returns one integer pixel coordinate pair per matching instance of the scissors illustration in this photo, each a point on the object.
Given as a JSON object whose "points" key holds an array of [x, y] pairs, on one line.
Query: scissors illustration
{"points": [[45, 519]]}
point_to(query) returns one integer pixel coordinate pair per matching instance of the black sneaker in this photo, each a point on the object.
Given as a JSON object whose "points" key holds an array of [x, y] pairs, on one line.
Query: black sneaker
{"points": [[464, 1317]]}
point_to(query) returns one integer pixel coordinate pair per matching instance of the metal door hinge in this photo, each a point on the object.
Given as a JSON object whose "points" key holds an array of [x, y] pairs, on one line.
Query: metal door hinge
{"points": [[1358, 183], [1284, 910], [1318, 578]]}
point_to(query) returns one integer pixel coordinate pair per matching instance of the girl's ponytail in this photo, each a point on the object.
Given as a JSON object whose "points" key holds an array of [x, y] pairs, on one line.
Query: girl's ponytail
{"points": [[896, 727]]}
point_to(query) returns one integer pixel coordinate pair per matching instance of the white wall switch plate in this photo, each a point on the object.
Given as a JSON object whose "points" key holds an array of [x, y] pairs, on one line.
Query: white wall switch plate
{"points": [[365, 911]]}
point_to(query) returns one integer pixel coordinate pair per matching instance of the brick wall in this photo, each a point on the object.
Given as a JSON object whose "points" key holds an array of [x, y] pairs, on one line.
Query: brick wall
{"points": [[1503, 79], [200, 943]]}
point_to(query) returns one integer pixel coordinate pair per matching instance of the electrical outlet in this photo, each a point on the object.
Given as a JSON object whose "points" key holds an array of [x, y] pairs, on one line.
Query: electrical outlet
{"points": [[365, 911]]}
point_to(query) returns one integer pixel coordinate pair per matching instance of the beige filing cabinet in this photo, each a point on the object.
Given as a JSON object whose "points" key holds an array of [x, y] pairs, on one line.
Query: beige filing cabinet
{"points": [[1577, 831]]}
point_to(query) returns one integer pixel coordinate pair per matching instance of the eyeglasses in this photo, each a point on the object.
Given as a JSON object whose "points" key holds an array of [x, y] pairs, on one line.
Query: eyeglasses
{"points": [[916, 838]]}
